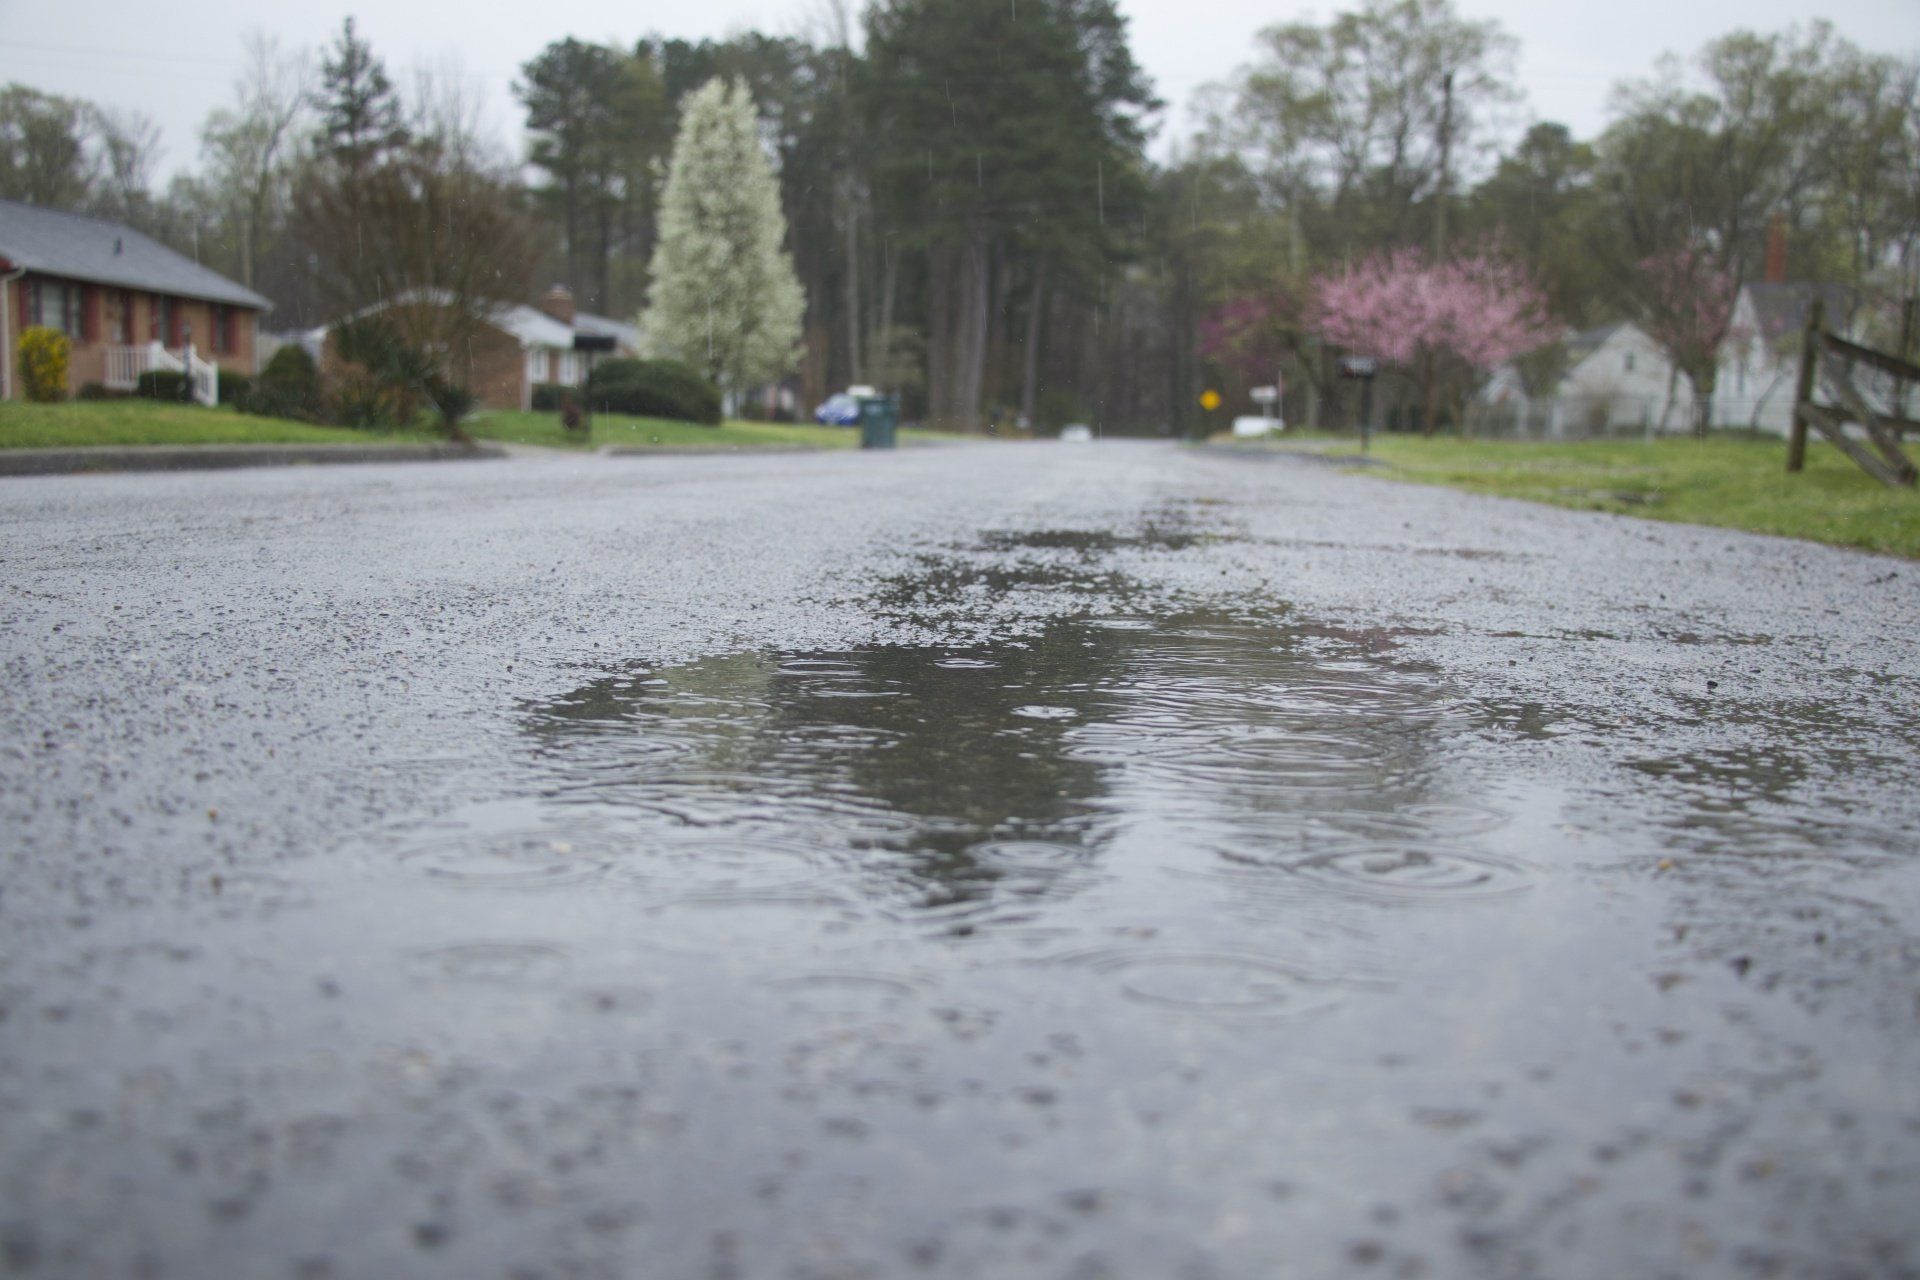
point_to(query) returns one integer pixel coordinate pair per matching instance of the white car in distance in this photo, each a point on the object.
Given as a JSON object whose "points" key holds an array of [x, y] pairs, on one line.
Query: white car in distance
{"points": [[1076, 433]]}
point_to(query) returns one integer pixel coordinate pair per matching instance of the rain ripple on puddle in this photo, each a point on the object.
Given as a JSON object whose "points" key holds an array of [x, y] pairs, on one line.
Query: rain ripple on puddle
{"points": [[778, 811]]}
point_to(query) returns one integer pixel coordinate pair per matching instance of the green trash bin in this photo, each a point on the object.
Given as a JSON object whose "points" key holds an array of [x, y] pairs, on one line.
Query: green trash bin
{"points": [[879, 419]]}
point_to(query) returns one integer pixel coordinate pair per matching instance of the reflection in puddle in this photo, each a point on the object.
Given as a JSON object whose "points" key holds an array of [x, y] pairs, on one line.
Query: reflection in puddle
{"points": [[1150, 778]]}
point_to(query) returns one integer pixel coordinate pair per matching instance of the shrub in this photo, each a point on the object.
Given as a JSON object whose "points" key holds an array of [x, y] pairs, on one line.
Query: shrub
{"points": [[405, 371], [654, 389], [547, 396], [289, 387], [453, 402], [161, 384], [236, 389], [43, 364], [362, 400]]}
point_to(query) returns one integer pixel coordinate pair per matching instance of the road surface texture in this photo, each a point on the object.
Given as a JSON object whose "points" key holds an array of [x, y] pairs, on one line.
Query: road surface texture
{"points": [[1000, 861]]}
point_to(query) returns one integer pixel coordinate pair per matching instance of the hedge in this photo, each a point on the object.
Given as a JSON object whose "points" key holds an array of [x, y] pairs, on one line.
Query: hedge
{"points": [[236, 389], [161, 384], [653, 389], [289, 387]]}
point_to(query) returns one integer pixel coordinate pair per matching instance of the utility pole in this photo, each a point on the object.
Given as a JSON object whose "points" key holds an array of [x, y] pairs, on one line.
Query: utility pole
{"points": [[1444, 186]]}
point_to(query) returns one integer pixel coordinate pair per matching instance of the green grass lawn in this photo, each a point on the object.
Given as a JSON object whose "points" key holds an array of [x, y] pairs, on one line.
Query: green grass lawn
{"points": [[132, 422], [661, 433], [1736, 483], [78, 424]]}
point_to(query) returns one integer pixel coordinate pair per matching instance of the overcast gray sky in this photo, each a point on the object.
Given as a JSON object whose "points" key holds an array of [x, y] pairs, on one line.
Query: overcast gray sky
{"points": [[176, 61]]}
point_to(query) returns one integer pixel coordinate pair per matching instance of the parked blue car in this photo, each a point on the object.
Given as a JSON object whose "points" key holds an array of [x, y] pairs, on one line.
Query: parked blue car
{"points": [[840, 410]]}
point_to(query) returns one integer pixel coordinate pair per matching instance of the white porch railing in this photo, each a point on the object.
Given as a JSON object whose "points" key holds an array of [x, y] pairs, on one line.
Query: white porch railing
{"points": [[126, 364]]}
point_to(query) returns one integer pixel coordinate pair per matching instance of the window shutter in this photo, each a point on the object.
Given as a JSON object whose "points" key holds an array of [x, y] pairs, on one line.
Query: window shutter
{"points": [[89, 314]]}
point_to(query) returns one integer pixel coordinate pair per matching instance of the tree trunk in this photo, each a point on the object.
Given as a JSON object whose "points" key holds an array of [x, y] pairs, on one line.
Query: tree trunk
{"points": [[973, 337], [572, 220], [939, 354], [881, 349], [1030, 374], [1702, 402], [604, 268], [998, 360], [1427, 398], [855, 365]]}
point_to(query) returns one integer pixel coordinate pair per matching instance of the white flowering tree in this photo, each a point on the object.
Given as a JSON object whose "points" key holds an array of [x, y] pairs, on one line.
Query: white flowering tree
{"points": [[724, 297]]}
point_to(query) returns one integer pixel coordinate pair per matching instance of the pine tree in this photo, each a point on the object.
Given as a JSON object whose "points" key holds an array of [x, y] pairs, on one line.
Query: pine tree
{"points": [[359, 111], [724, 296]]}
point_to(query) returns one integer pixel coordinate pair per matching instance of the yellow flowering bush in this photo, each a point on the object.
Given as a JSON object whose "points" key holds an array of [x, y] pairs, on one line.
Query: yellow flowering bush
{"points": [[43, 364]]}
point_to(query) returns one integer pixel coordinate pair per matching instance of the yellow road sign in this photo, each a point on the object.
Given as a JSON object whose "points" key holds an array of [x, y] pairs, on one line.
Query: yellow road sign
{"points": [[1209, 399]]}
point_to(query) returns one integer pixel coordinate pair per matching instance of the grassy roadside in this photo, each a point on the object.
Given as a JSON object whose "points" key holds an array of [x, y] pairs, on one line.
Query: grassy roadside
{"points": [[84, 424], [78, 425], [660, 433], [1733, 483]]}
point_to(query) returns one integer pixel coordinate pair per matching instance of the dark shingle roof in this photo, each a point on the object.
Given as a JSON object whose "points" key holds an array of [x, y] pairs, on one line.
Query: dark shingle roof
{"points": [[101, 252], [1586, 342], [607, 327]]}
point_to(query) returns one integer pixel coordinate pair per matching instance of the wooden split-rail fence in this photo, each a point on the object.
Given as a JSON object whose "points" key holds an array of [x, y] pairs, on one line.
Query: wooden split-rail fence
{"points": [[1827, 366]]}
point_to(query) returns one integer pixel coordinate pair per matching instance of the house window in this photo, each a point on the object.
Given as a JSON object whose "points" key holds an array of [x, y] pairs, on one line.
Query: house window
{"points": [[223, 343], [1629, 362], [56, 306], [123, 317]]}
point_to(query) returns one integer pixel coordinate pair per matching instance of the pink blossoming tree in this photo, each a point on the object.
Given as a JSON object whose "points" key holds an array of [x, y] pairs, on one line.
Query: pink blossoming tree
{"points": [[1439, 322], [1686, 304]]}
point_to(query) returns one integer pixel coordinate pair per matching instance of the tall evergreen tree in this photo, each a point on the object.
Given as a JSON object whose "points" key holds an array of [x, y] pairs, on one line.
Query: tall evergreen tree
{"points": [[1007, 147], [724, 296], [360, 118], [598, 122]]}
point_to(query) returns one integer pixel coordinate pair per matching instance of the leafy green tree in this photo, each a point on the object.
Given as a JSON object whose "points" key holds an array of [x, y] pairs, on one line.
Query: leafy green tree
{"points": [[66, 153], [1702, 164], [1357, 126], [44, 156], [1540, 203], [1873, 184], [724, 297]]}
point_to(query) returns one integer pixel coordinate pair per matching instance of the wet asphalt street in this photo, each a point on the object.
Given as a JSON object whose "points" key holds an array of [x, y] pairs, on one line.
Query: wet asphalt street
{"points": [[1002, 862]]}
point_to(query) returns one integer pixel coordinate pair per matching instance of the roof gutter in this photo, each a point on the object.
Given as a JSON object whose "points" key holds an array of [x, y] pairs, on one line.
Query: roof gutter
{"points": [[6, 335]]}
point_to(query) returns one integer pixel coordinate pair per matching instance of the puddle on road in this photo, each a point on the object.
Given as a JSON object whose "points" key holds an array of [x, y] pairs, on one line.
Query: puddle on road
{"points": [[1137, 798], [1216, 811]]}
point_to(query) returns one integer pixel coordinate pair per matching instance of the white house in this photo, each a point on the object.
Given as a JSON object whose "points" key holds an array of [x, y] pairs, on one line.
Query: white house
{"points": [[1617, 378], [1760, 362]]}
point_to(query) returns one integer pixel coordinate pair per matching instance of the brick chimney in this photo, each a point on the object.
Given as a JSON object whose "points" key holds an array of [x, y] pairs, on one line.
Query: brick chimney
{"points": [[1776, 269], [559, 304]]}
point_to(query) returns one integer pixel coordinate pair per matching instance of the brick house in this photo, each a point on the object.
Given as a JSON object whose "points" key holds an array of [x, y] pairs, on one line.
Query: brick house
{"points": [[127, 302], [519, 348]]}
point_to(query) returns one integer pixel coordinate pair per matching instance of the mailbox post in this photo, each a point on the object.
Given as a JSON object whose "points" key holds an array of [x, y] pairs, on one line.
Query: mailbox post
{"points": [[592, 344], [1362, 369]]}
